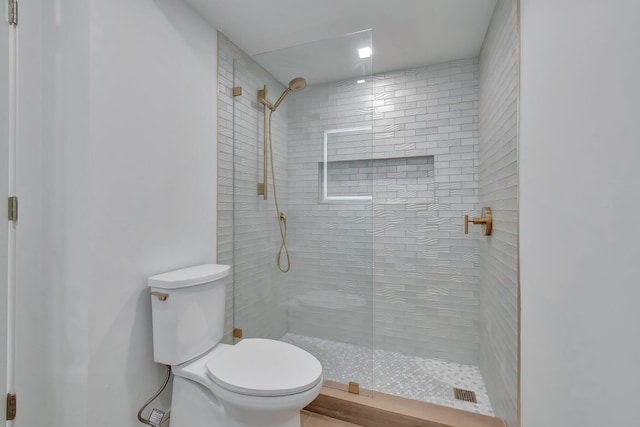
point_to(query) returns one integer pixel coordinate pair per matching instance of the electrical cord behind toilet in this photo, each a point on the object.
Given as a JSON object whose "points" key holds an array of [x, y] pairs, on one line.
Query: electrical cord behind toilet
{"points": [[156, 416]]}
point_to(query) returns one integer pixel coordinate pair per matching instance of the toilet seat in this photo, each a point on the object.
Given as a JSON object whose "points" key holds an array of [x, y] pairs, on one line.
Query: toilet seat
{"points": [[263, 367]]}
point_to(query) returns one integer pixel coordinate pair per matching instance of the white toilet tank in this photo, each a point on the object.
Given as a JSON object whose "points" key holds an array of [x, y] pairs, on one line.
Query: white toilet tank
{"points": [[187, 308]]}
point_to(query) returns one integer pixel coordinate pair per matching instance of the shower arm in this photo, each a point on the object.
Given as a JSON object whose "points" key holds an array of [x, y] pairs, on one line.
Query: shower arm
{"points": [[262, 98], [279, 101]]}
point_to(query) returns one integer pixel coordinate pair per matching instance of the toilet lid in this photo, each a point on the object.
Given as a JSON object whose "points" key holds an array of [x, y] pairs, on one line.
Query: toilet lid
{"points": [[261, 367]]}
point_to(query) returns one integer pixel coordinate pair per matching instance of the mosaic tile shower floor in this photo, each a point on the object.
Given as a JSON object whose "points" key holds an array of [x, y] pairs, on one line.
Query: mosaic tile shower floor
{"points": [[413, 377]]}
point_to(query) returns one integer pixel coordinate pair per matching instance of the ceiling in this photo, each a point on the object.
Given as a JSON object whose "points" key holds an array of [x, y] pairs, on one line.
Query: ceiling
{"points": [[406, 33]]}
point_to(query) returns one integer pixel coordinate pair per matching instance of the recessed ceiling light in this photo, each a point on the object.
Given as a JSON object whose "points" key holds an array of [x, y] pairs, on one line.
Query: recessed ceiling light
{"points": [[365, 52], [360, 81]]}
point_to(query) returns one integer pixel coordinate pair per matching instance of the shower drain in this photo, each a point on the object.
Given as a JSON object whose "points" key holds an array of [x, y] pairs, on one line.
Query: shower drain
{"points": [[466, 395]]}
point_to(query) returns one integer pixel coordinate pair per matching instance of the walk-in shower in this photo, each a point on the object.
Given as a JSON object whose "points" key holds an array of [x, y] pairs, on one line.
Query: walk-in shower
{"points": [[376, 173]]}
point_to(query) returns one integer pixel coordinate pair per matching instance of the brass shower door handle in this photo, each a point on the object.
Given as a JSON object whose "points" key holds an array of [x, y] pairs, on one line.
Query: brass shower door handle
{"points": [[486, 220]]}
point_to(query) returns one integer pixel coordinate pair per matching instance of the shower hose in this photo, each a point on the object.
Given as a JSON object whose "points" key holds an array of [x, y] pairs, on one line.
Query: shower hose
{"points": [[282, 218]]}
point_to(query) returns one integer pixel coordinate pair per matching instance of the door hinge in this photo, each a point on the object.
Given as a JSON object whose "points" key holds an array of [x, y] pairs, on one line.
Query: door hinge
{"points": [[13, 209], [11, 407], [13, 12]]}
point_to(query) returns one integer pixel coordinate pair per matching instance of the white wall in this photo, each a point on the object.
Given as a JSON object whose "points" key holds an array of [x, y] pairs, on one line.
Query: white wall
{"points": [[51, 303], [152, 181], [117, 181], [35, 288], [580, 239]]}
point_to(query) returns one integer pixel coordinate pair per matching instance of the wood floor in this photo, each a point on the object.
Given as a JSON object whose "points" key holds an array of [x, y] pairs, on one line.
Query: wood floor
{"points": [[308, 419], [337, 407]]}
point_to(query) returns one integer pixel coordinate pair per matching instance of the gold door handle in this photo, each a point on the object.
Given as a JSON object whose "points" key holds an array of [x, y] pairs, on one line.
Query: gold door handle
{"points": [[486, 220]]}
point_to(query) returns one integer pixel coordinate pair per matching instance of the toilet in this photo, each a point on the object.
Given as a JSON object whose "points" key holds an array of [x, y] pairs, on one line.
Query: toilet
{"points": [[255, 383]]}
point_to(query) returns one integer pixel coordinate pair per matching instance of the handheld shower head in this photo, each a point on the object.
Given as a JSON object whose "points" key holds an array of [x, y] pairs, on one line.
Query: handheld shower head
{"points": [[295, 85]]}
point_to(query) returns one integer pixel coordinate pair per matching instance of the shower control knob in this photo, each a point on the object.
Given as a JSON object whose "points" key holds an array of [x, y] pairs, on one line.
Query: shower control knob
{"points": [[486, 220]]}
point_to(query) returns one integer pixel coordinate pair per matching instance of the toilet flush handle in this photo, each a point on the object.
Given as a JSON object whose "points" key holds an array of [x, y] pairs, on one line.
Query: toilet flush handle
{"points": [[160, 295]]}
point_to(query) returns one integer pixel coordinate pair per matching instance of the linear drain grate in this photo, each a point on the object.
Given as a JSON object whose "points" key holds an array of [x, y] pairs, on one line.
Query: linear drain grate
{"points": [[466, 395]]}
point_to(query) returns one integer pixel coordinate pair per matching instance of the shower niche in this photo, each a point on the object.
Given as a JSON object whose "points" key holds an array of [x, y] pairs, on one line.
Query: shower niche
{"points": [[399, 180], [350, 171]]}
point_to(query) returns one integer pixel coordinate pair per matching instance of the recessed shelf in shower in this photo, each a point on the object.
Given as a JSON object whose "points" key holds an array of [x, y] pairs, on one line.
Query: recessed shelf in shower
{"points": [[402, 180]]}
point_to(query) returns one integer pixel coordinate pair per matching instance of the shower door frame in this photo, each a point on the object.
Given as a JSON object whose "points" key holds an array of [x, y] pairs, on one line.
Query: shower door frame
{"points": [[8, 113]]}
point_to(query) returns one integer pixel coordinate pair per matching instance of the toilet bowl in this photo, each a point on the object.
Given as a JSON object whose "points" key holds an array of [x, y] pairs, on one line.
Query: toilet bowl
{"points": [[266, 392], [255, 383]]}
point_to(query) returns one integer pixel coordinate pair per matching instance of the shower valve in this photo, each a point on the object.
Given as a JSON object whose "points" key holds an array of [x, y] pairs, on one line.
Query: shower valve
{"points": [[486, 220]]}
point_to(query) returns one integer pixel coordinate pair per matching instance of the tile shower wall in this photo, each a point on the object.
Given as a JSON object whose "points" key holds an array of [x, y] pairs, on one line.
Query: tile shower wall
{"points": [[425, 298], [498, 189], [330, 283], [254, 301]]}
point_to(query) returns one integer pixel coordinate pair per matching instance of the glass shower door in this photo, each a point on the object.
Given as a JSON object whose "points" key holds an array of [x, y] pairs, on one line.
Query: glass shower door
{"points": [[323, 173], [259, 286], [330, 305]]}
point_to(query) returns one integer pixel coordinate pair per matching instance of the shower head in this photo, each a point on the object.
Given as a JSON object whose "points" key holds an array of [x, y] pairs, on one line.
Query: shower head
{"points": [[295, 85]]}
